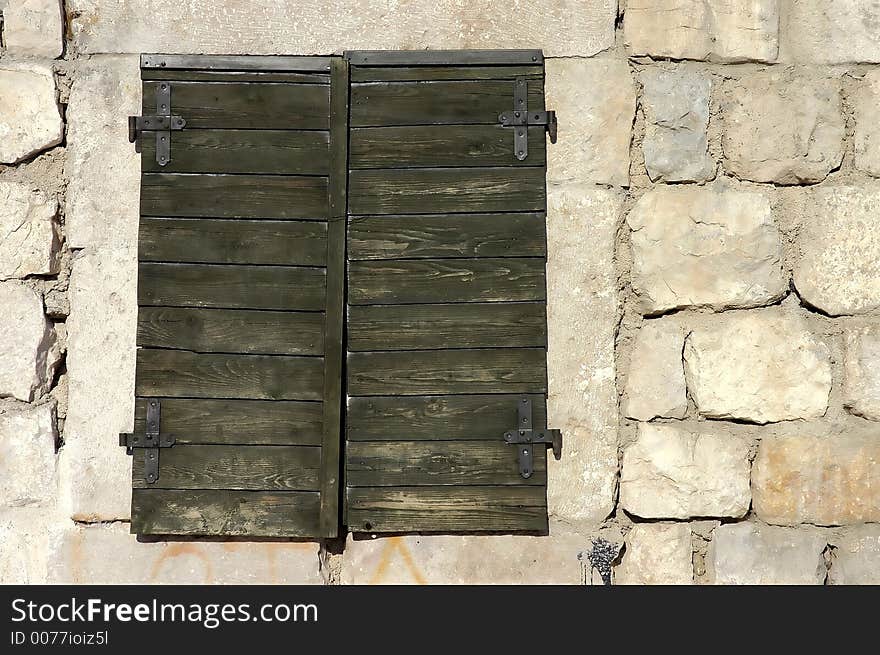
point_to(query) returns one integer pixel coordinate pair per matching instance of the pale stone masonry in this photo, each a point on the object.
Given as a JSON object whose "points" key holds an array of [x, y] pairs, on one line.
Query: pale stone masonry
{"points": [[713, 288]]}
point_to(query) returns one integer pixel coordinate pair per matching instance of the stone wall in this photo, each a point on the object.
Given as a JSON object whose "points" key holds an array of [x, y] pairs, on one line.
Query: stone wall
{"points": [[713, 281]]}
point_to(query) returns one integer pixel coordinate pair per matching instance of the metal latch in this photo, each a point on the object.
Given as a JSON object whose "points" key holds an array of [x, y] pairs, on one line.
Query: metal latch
{"points": [[163, 123], [520, 119], [150, 442], [524, 436]]}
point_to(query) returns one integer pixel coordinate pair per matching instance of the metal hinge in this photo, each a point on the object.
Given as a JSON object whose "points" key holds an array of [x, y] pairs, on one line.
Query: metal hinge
{"points": [[163, 123], [520, 119], [524, 437], [150, 442]]}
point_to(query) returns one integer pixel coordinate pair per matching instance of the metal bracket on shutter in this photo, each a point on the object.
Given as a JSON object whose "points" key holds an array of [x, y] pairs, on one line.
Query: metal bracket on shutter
{"points": [[163, 123], [520, 119], [524, 437], [150, 442]]}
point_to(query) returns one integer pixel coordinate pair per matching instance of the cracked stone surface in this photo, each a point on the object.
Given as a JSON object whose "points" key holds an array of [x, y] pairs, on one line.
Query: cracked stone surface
{"points": [[28, 352], [655, 384], [862, 371], [33, 28], [867, 130], [27, 454], [29, 118], [29, 235], [657, 553], [856, 558]]}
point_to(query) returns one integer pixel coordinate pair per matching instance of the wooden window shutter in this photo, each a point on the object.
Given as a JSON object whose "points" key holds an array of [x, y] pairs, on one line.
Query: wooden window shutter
{"points": [[240, 294], [447, 336]]}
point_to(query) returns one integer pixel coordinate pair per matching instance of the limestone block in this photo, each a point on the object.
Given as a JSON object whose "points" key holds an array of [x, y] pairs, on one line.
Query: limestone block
{"points": [[760, 366], [716, 246], [28, 356], [782, 128], [29, 236], [679, 472], [29, 117], [262, 27], [582, 319], [27, 454], [755, 554], [456, 559], [24, 544], [595, 103], [824, 480], [856, 558], [830, 32], [676, 107], [867, 132], [839, 267], [655, 384], [108, 554], [714, 30], [33, 28], [657, 553], [862, 366]]}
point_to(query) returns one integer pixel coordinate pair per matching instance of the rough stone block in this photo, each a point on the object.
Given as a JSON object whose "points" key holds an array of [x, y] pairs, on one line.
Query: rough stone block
{"points": [[595, 102], [29, 236], [28, 353], [108, 554], [95, 472], [582, 319], [104, 169], [761, 366], [655, 384], [714, 30], [676, 108], [754, 554], [830, 32], [27, 454], [856, 557], [33, 28], [839, 268], [715, 246], [824, 480], [680, 472], [657, 553], [456, 559], [29, 117], [862, 366], [782, 128], [867, 132], [24, 544], [262, 27]]}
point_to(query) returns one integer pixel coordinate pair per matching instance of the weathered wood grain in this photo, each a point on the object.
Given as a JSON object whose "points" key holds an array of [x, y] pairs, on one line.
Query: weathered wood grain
{"points": [[464, 325], [231, 287], [154, 74], [426, 463], [439, 190], [507, 370], [234, 196], [179, 373], [400, 418], [231, 331], [225, 512], [447, 235], [446, 280], [427, 73], [223, 241]]}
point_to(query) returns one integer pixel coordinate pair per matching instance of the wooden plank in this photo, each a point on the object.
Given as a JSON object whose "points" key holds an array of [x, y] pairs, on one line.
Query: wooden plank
{"points": [[257, 468], [156, 74], [393, 418], [444, 509], [434, 103], [231, 331], [414, 373], [444, 57], [237, 422], [237, 62], [223, 241], [425, 463], [290, 152], [446, 280], [447, 235], [425, 146], [178, 373], [232, 105], [465, 325], [233, 196], [333, 326], [440, 190], [225, 513], [433, 73], [231, 287]]}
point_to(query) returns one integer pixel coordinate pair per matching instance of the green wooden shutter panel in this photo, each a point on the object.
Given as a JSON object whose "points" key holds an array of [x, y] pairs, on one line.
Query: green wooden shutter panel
{"points": [[248, 301]]}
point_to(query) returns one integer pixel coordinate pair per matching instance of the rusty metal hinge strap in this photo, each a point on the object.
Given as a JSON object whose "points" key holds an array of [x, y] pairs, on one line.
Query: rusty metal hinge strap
{"points": [[150, 442], [524, 436], [520, 119], [162, 123]]}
